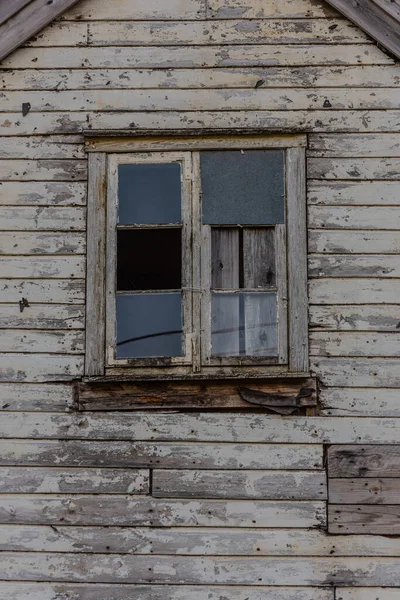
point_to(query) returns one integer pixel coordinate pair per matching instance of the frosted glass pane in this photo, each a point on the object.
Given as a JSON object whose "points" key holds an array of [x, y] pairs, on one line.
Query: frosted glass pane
{"points": [[244, 324], [243, 188], [149, 325], [149, 193]]}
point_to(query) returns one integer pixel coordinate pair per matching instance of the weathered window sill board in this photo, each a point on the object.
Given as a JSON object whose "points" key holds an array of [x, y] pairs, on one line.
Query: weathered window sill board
{"points": [[287, 396], [364, 490]]}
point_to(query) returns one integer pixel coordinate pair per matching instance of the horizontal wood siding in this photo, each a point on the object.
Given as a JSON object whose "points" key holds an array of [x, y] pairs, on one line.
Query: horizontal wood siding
{"points": [[175, 504]]}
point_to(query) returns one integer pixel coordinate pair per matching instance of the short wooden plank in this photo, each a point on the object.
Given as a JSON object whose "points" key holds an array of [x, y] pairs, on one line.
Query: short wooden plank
{"points": [[35, 341], [61, 34], [353, 242], [31, 397], [49, 591], [259, 258], [40, 367], [25, 193], [374, 593], [42, 316], [354, 291], [53, 291], [42, 170], [59, 218], [39, 148], [354, 217], [355, 145], [42, 243], [142, 11], [364, 461], [353, 192], [249, 9], [366, 490], [363, 402], [31, 480], [153, 33], [32, 17], [175, 455], [96, 266], [353, 265], [197, 570], [354, 168], [115, 510], [191, 541], [381, 25], [340, 76], [355, 344], [197, 56], [357, 372], [225, 258], [203, 427], [265, 485], [66, 267], [364, 519], [375, 317]]}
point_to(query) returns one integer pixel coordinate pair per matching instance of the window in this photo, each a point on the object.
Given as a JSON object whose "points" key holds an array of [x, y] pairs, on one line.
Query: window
{"points": [[197, 257]]}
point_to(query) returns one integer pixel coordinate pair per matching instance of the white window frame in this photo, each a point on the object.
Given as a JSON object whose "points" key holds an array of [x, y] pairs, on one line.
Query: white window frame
{"points": [[290, 248]]}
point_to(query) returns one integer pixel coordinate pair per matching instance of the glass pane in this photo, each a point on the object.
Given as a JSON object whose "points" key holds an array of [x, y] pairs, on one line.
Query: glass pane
{"points": [[149, 325], [243, 187], [244, 324], [149, 259], [149, 193]]}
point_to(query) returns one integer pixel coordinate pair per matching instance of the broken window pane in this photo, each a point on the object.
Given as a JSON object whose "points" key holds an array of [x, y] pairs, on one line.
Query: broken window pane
{"points": [[243, 187], [149, 325], [244, 324], [149, 259], [149, 193]]}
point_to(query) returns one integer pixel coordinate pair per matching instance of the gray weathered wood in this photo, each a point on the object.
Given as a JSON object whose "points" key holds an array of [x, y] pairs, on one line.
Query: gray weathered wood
{"points": [[354, 291], [363, 402], [354, 217], [28, 193], [40, 367], [42, 316], [63, 267], [365, 519], [9, 8], [239, 484], [28, 340], [363, 593], [42, 243], [358, 372], [353, 192], [355, 344], [54, 291], [225, 258], [96, 261], [375, 317], [364, 490], [31, 397], [42, 218], [358, 242], [358, 144], [259, 270], [364, 461], [353, 265]]}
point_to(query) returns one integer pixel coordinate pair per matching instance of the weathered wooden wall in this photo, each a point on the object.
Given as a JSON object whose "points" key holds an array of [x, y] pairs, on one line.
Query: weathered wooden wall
{"points": [[183, 506]]}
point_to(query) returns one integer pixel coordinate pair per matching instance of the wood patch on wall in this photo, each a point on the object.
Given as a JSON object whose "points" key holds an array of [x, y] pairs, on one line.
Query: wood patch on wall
{"points": [[364, 489]]}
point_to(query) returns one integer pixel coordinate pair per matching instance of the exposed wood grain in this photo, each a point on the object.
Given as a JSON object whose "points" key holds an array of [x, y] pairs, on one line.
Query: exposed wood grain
{"points": [[354, 217], [27, 340], [354, 242], [24, 193], [354, 291], [365, 519], [358, 372], [355, 344], [239, 484], [41, 170], [36, 148], [143, 10], [114, 510], [354, 168], [66, 267], [49, 591], [353, 192], [25, 218], [249, 9], [363, 402], [353, 265], [42, 243], [364, 491], [225, 258], [54, 291], [31, 397], [9, 9], [40, 367], [355, 145], [364, 461], [355, 318], [174, 455], [259, 258]]}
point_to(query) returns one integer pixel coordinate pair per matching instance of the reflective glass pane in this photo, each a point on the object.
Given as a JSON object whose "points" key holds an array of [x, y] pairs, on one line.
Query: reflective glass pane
{"points": [[149, 259], [149, 193], [243, 187], [149, 325], [244, 324]]}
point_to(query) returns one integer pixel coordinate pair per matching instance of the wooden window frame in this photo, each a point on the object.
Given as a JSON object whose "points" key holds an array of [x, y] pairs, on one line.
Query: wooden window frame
{"points": [[290, 246]]}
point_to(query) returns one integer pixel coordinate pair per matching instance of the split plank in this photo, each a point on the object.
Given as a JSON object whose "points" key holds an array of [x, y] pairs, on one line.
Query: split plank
{"points": [[353, 192], [31, 480], [364, 491], [40, 397], [354, 217], [53, 291], [115, 510], [265, 485], [63, 267], [363, 402], [364, 461], [189, 540], [42, 243], [365, 518], [148, 57], [354, 265], [354, 291], [23, 193], [375, 317], [213, 78], [358, 372], [35, 341], [42, 170], [49, 591], [37, 148], [40, 367], [354, 168], [355, 145], [354, 242], [53, 218], [355, 344], [175, 455], [208, 427]]}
